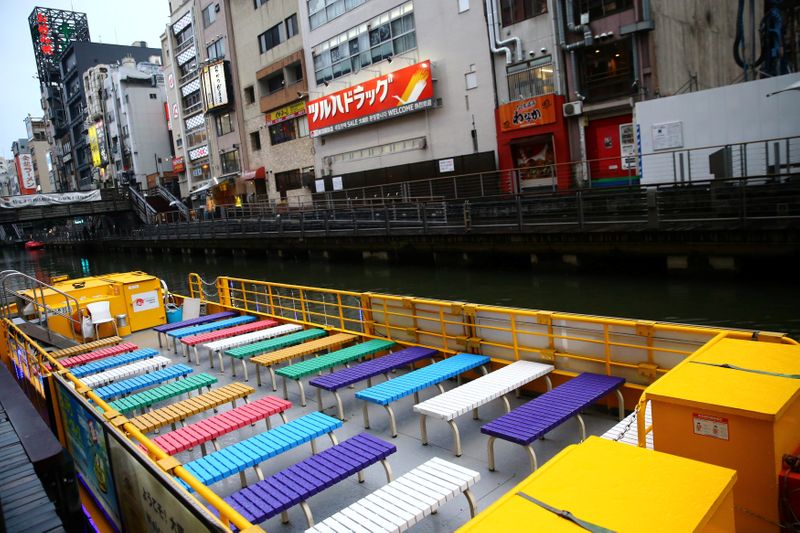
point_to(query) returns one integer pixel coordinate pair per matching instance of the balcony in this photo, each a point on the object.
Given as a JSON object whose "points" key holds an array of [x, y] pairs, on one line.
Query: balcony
{"points": [[283, 96], [287, 92]]}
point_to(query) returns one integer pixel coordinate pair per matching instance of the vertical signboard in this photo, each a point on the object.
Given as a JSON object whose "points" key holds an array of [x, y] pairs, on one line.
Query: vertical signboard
{"points": [[25, 174], [87, 444], [94, 146], [215, 86]]}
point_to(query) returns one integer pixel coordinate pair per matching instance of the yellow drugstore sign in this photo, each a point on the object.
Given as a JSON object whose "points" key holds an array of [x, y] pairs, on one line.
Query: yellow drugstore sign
{"points": [[285, 113], [94, 146]]}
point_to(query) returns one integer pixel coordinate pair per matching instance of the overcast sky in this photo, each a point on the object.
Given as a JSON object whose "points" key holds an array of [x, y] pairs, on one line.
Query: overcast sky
{"points": [[110, 21]]}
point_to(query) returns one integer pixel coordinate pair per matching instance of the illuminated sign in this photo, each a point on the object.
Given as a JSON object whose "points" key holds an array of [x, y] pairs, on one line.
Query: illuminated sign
{"points": [[94, 146], [178, 164], [26, 174], [215, 87], [97, 144], [285, 113], [535, 111], [391, 95]]}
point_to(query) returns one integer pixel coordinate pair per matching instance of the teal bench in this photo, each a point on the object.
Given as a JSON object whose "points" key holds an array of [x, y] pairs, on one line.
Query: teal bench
{"points": [[142, 382], [249, 453], [389, 391], [145, 399], [243, 353], [308, 367]]}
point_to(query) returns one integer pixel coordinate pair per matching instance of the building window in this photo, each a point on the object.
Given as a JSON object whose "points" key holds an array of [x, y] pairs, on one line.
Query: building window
{"points": [[601, 8], [259, 3], [250, 95], [153, 96], [195, 138], [285, 181], [271, 38], [532, 78], [607, 71], [224, 124], [322, 11], [229, 162], [255, 140], [216, 49], [463, 5], [386, 35], [282, 132], [302, 126], [291, 26], [209, 15], [181, 39], [192, 102], [513, 11], [187, 68]]}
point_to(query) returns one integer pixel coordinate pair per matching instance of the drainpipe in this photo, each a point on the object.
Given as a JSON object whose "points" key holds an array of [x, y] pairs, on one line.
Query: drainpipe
{"points": [[588, 39], [580, 28], [495, 44]]}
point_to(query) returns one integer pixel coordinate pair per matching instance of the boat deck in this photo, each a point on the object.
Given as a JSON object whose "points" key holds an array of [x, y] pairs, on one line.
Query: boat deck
{"points": [[512, 461]]}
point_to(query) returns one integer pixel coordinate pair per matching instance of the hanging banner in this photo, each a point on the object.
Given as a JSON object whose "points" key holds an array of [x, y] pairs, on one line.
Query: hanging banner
{"points": [[35, 200], [535, 111], [391, 95], [25, 174]]}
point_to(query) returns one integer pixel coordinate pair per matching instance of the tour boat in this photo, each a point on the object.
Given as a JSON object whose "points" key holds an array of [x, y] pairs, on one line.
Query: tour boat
{"points": [[34, 245], [265, 403]]}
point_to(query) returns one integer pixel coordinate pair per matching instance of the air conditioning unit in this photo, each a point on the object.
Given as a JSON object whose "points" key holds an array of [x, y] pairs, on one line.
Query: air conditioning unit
{"points": [[573, 109]]}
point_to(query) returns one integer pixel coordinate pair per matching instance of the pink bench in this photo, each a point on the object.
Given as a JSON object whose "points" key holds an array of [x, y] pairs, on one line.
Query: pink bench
{"points": [[100, 353], [220, 424], [195, 340]]}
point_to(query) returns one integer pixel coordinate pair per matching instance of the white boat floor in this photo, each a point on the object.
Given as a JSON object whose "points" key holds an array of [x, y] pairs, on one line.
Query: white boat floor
{"points": [[512, 461]]}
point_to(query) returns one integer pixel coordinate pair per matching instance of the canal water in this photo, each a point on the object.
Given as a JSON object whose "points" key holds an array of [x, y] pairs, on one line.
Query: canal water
{"points": [[765, 304]]}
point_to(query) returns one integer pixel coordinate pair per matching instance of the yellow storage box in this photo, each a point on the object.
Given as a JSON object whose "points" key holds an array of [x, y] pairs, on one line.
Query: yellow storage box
{"points": [[618, 487], [744, 415], [143, 298]]}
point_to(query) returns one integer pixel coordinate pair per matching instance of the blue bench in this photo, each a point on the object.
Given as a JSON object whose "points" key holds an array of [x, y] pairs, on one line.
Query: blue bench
{"points": [[296, 484], [536, 418], [367, 371], [413, 382], [180, 333], [111, 362], [141, 382], [164, 328], [248, 453]]}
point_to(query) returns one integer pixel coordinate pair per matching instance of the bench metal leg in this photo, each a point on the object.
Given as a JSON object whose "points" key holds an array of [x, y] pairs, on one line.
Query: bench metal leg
{"points": [[196, 356], [222, 364], [203, 449], [583, 427], [532, 457], [211, 357], [475, 414], [284, 517], [392, 422], [215, 443], [233, 367], [490, 453], [440, 387], [549, 383], [259, 473], [365, 411], [258, 374], [507, 403], [313, 447], [416, 398], [423, 429], [243, 479], [244, 368], [473, 505], [360, 476], [369, 382], [319, 400], [285, 389], [333, 438], [283, 417], [274, 378], [339, 405], [621, 401], [302, 392], [269, 424], [159, 341], [307, 511], [456, 436], [388, 469]]}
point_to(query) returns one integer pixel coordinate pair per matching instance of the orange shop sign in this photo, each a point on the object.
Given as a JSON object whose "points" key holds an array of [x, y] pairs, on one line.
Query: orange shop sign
{"points": [[391, 95], [526, 113]]}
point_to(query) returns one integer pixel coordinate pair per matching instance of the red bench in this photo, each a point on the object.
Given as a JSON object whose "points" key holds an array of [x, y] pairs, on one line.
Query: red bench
{"points": [[100, 353], [210, 336], [209, 429]]}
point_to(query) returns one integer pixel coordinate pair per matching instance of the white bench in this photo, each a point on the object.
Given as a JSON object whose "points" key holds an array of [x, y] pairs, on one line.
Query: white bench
{"points": [[405, 501], [470, 396], [121, 372], [627, 431], [243, 340]]}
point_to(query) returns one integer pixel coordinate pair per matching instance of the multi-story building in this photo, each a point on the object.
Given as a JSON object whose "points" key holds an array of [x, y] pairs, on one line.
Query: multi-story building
{"points": [[267, 51], [202, 92], [39, 151], [8, 177], [76, 160], [127, 121], [400, 90]]}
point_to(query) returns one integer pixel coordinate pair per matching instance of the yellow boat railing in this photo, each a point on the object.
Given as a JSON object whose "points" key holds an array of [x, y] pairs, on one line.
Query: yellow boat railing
{"points": [[36, 364]]}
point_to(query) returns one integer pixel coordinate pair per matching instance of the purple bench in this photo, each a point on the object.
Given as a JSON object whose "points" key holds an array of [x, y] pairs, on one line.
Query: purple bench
{"points": [[366, 371], [296, 484], [534, 419], [164, 328]]}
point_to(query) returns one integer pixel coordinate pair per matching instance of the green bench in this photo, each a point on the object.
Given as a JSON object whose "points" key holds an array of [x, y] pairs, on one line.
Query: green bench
{"points": [[327, 361], [251, 350], [145, 399]]}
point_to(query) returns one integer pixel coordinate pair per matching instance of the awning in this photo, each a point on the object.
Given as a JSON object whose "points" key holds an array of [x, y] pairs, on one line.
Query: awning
{"points": [[258, 174], [203, 188]]}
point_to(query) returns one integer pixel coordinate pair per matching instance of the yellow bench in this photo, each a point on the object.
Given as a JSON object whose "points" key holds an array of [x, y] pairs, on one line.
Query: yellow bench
{"points": [[307, 348], [86, 347], [179, 411]]}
